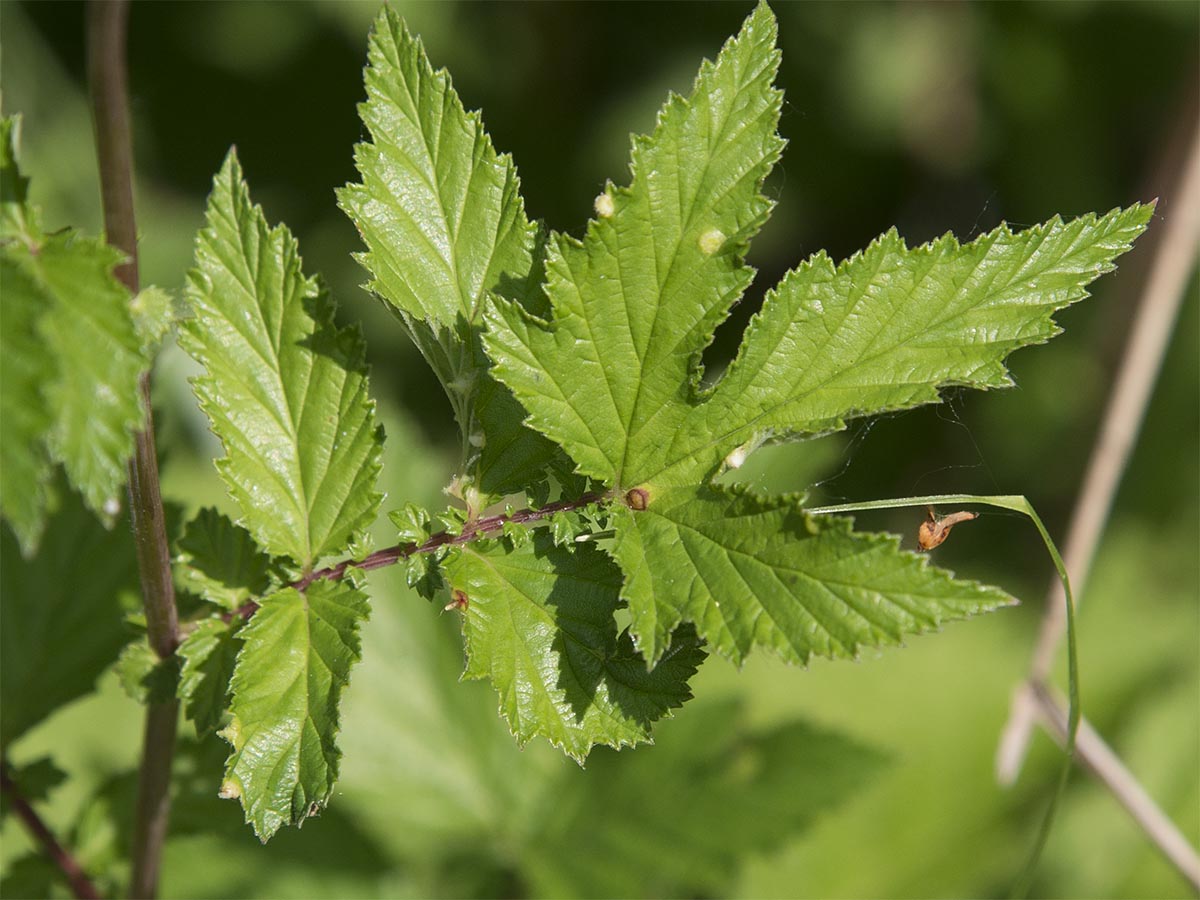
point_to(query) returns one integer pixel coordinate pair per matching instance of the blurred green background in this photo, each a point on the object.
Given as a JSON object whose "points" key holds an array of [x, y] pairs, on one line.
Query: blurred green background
{"points": [[847, 780]]}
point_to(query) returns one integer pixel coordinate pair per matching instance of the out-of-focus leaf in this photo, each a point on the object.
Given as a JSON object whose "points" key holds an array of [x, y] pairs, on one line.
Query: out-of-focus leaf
{"points": [[144, 676], [61, 619], [680, 818], [71, 357]]}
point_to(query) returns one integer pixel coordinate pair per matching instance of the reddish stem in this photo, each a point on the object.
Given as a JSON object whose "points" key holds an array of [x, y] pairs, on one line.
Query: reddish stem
{"points": [[391, 555], [81, 885]]}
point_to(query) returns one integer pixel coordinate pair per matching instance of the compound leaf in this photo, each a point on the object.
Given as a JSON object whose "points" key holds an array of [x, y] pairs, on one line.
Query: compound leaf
{"points": [[295, 660], [538, 621], [613, 373], [71, 357], [284, 388], [442, 217], [753, 571]]}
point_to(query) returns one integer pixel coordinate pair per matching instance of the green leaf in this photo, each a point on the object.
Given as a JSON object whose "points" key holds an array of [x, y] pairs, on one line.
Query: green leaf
{"points": [[610, 377], [681, 818], [144, 676], [539, 623], [442, 217], [889, 327], [61, 619], [35, 781], [284, 388], [70, 361], [220, 562], [753, 571], [153, 314], [613, 375], [295, 660], [209, 654]]}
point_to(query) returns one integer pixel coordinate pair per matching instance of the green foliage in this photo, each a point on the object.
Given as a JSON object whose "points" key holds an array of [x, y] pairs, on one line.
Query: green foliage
{"points": [[284, 388], [613, 375], [753, 571], [442, 217], [62, 619], [722, 793], [539, 622], [71, 356], [209, 655], [572, 366], [219, 561], [144, 676], [295, 660]]}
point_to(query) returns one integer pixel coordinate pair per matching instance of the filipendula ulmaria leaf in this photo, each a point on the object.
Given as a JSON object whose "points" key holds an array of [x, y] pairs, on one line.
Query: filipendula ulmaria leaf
{"points": [[34, 781], [61, 619], [220, 562], [284, 388], [538, 621], [295, 660], [613, 375], [753, 571], [209, 653], [442, 217], [70, 359]]}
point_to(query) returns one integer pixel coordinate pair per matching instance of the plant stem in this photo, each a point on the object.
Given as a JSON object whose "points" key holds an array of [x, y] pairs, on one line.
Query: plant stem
{"points": [[1149, 339], [106, 30], [81, 885], [388, 556], [1102, 762]]}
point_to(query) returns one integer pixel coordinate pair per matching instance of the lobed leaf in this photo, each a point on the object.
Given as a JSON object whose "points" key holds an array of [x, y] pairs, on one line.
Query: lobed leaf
{"points": [[609, 377], [613, 373], [284, 389], [71, 357], [538, 621], [444, 223], [752, 571], [295, 660]]}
